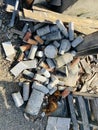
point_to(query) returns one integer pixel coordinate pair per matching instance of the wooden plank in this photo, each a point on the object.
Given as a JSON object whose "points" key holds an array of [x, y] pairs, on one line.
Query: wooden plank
{"points": [[83, 111], [83, 25], [72, 111], [88, 95]]}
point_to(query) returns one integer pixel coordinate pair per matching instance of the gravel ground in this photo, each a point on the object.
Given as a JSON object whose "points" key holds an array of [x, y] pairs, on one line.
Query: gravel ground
{"points": [[11, 118]]}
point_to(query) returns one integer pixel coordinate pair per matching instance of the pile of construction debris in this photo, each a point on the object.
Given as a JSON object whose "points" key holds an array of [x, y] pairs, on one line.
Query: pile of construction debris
{"points": [[47, 60]]}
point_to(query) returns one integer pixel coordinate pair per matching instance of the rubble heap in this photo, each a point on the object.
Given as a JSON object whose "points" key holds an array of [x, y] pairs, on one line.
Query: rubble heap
{"points": [[47, 60]]}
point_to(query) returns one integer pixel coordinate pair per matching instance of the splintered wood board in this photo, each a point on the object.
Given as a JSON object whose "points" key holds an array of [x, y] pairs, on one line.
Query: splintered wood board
{"points": [[83, 25]]}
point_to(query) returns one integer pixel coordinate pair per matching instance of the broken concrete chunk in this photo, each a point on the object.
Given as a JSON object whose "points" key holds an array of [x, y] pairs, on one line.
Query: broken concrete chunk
{"points": [[40, 78], [65, 46], [62, 28], [71, 31], [39, 54], [43, 31], [56, 44], [40, 87], [50, 63], [26, 90], [58, 123], [54, 36], [28, 73], [9, 50], [32, 52], [25, 28], [16, 70], [50, 51], [17, 99], [64, 59], [20, 33], [35, 102], [52, 84], [53, 28], [37, 26], [45, 72], [77, 41], [53, 90], [60, 88], [73, 53]]}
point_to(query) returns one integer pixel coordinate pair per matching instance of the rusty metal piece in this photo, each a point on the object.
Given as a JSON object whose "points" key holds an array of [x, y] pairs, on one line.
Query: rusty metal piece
{"points": [[52, 106]]}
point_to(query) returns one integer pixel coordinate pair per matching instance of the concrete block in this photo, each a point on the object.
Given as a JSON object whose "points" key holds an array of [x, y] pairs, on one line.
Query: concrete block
{"points": [[45, 72], [31, 63], [52, 84], [15, 31], [52, 49], [71, 31], [17, 99], [9, 50], [25, 28], [53, 28], [77, 41], [53, 90], [32, 52], [40, 78], [58, 123], [64, 59], [73, 53], [62, 28], [40, 87], [14, 14], [38, 25], [39, 54], [17, 69], [50, 63], [28, 73], [38, 39], [35, 102], [56, 44], [65, 46], [54, 36], [43, 31], [61, 88], [26, 90]]}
